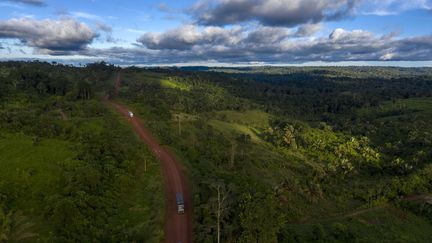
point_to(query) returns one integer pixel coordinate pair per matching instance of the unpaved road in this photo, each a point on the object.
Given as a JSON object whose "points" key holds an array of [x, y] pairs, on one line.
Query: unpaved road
{"points": [[178, 228]]}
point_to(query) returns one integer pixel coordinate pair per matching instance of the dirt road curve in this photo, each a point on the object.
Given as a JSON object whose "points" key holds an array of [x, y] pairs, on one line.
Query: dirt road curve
{"points": [[178, 228]]}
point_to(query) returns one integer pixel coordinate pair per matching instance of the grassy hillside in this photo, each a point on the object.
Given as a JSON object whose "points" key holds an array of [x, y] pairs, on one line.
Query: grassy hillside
{"points": [[314, 180], [30, 171]]}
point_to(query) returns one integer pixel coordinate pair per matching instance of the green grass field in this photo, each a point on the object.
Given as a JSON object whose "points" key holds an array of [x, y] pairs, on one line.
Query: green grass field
{"points": [[234, 129], [35, 164], [253, 118], [33, 170], [172, 84]]}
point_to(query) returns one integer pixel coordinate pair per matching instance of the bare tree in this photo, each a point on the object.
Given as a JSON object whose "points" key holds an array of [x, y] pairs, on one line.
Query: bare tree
{"points": [[145, 165], [220, 204], [179, 124], [233, 153]]}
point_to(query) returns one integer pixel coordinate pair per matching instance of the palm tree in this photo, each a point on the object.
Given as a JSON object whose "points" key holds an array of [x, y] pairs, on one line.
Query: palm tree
{"points": [[14, 227], [290, 137]]}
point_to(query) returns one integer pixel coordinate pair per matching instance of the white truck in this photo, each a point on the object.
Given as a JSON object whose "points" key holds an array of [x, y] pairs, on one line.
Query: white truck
{"points": [[180, 203], [131, 114]]}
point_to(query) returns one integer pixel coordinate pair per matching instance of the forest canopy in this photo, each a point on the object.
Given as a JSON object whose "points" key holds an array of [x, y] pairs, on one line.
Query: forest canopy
{"points": [[274, 154]]}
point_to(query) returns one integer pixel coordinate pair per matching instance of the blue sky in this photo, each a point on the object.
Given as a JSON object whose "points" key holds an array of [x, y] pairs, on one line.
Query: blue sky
{"points": [[219, 32]]}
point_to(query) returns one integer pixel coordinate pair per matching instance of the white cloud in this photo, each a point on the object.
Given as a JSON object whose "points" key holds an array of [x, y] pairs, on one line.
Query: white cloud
{"points": [[36, 3], [188, 36], [84, 15], [281, 45], [271, 12], [48, 35], [392, 7]]}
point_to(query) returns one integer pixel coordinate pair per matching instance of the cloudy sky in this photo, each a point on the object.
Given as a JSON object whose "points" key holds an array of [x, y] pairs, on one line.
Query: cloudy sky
{"points": [[219, 32]]}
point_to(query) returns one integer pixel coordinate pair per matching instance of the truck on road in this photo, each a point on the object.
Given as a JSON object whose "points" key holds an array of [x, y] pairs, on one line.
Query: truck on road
{"points": [[131, 114], [180, 203]]}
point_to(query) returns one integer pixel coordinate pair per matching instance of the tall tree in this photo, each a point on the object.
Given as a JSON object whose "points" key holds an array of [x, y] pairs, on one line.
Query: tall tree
{"points": [[260, 218], [220, 204]]}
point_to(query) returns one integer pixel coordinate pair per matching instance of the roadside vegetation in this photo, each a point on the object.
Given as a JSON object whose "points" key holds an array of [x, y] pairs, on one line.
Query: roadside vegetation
{"points": [[72, 170], [301, 155]]}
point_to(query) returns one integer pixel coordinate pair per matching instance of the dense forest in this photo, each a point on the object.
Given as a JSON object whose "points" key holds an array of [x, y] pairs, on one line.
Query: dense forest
{"points": [[273, 154], [72, 171]]}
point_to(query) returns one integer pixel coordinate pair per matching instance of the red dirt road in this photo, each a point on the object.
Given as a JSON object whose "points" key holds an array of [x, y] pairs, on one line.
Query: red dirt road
{"points": [[178, 228]]}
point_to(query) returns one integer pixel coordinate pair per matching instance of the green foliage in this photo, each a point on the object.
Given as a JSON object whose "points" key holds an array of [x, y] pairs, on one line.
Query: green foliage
{"points": [[420, 207], [170, 83], [71, 170], [317, 161], [304, 154], [260, 218], [15, 227], [251, 118]]}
